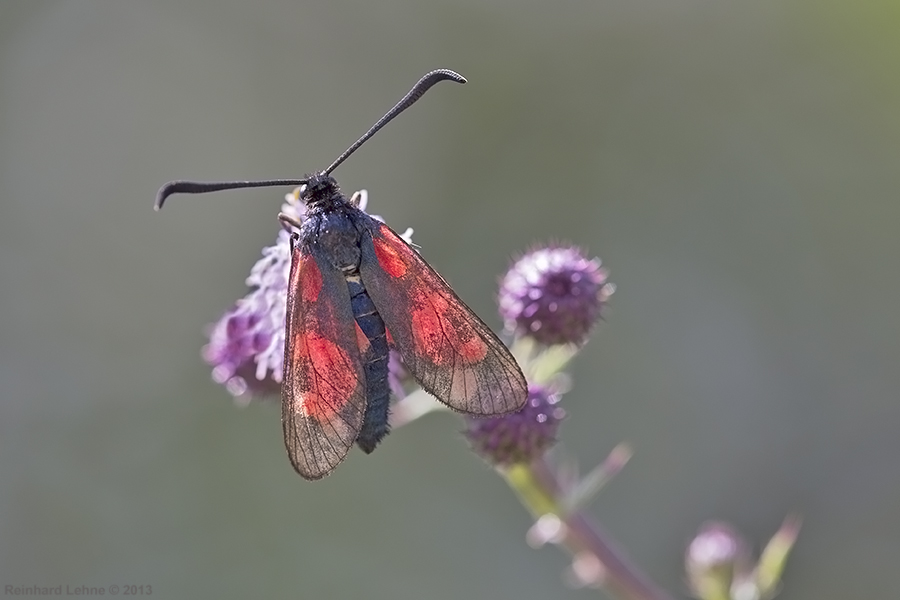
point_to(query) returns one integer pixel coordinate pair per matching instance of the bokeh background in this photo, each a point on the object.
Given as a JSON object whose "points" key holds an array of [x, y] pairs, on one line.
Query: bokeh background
{"points": [[735, 164]]}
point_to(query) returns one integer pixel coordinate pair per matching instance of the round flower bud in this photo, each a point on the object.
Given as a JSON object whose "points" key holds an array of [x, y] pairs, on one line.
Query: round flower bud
{"points": [[554, 295], [714, 559], [518, 437]]}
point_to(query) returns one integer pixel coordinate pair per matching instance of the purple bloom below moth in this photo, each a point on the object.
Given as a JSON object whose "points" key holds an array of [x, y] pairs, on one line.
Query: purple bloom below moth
{"points": [[246, 345]]}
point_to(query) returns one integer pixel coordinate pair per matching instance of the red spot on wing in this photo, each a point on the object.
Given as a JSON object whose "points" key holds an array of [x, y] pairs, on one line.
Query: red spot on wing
{"points": [[470, 346], [310, 280], [444, 335], [389, 256], [330, 376], [428, 335]]}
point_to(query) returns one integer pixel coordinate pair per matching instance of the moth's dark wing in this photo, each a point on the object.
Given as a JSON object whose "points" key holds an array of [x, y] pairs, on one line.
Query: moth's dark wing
{"points": [[446, 347], [323, 394]]}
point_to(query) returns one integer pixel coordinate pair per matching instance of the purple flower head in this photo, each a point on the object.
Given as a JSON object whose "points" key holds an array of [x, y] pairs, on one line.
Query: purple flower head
{"points": [[518, 437], [246, 345], [554, 295]]}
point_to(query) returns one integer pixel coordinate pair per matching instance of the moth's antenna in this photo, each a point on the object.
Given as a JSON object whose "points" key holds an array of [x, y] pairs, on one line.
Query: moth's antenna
{"points": [[423, 85], [200, 187]]}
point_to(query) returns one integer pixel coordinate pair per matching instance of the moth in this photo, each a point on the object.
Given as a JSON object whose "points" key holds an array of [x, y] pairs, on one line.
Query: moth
{"points": [[357, 290]]}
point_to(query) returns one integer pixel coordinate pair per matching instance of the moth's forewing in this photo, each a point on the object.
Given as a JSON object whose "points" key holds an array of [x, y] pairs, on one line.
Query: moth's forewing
{"points": [[451, 353], [323, 394]]}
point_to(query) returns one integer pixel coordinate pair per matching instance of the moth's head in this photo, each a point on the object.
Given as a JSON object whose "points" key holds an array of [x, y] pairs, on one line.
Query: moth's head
{"points": [[320, 188]]}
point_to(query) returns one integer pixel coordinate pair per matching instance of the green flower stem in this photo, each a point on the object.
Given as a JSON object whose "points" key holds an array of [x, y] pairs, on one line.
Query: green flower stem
{"points": [[540, 491], [521, 478]]}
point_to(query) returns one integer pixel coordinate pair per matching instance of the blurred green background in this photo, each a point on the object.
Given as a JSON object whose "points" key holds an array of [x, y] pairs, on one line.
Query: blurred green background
{"points": [[735, 164]]}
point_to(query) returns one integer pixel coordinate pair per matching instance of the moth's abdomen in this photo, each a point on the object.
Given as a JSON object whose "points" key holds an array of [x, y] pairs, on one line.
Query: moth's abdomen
{"points": [[374, 350]]}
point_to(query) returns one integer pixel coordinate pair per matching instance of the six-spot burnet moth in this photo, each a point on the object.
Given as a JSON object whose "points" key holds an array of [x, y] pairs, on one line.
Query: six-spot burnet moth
{"points": [[356, 289]]}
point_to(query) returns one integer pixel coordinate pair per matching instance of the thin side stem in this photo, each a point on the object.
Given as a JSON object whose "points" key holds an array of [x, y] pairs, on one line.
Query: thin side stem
{"points": [[539, 490]]}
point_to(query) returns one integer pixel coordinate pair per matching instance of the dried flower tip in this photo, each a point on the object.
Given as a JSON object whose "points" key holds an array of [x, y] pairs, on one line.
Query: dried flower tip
{"points": [[774, 557]]}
